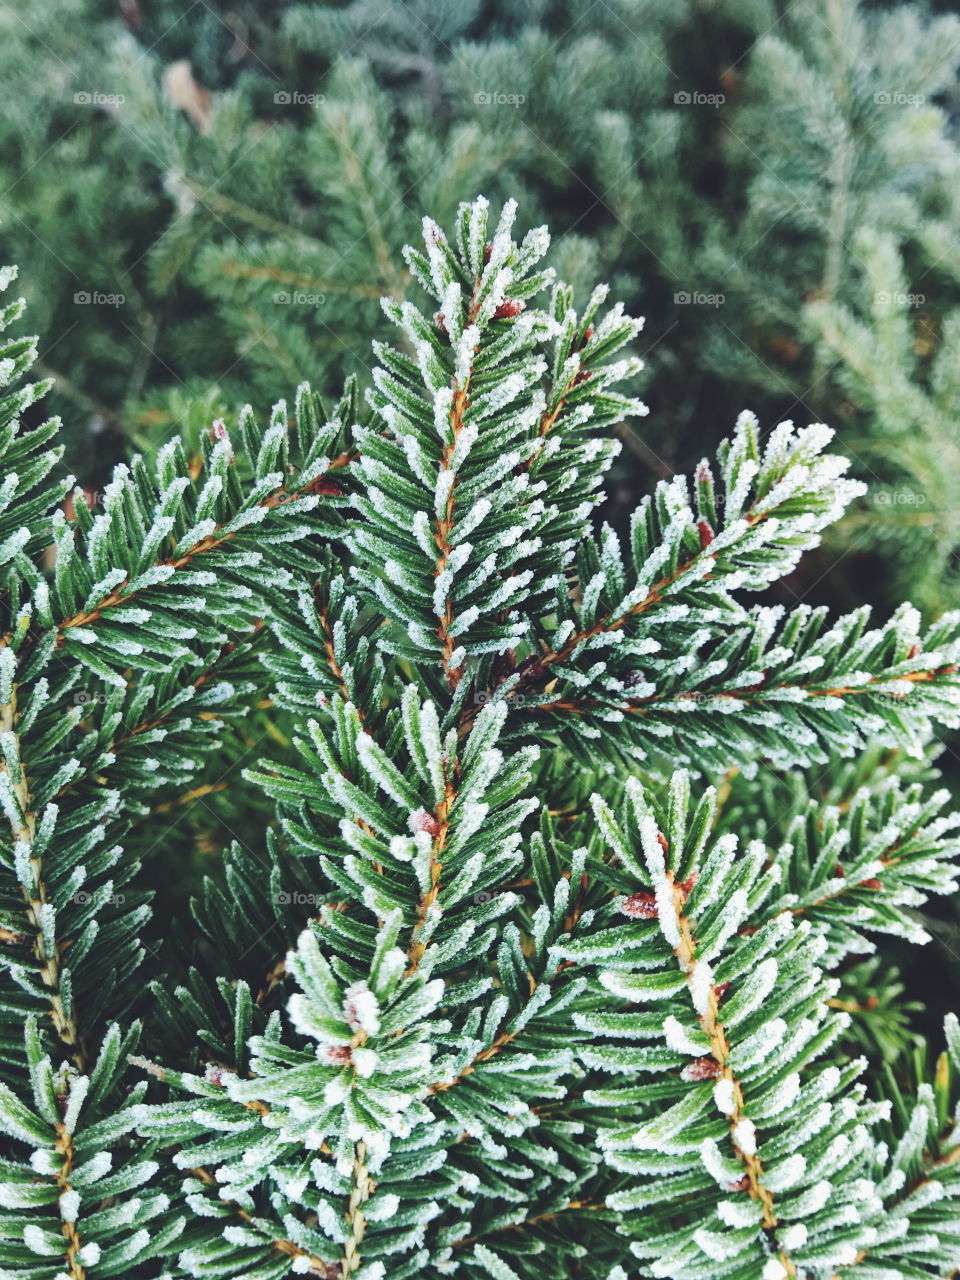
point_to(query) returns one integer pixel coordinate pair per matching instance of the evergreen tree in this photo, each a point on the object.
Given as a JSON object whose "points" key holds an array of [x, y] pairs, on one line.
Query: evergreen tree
{"points": [[565, 924], [249, 174]]}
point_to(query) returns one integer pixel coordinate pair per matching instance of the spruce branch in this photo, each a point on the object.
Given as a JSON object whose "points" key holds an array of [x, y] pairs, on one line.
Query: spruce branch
{"points": [[23, 829], [421, 1084]]}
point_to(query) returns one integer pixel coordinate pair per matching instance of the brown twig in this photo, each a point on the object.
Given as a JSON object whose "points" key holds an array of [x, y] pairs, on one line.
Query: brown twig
{"points": [[211, 542], [712, 1024], [48, 961]]}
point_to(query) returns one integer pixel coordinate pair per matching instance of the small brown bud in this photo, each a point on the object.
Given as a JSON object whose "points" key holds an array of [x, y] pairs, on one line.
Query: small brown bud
{"points": [[423, 821], [706, 533], [872, 883], [508, 308], [701, 1069], [741, 1184], [640, 906], [337, 1054], [721, 989], [687, 886], [440, 321], [663, 842]]}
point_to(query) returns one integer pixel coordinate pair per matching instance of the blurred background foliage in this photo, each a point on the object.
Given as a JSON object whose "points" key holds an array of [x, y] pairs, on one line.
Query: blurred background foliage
{"points": [[207, 199]]}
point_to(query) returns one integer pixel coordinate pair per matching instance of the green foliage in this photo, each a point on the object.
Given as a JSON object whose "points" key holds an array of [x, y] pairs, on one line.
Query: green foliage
{"points": [[382, 1043], [778, 187]]}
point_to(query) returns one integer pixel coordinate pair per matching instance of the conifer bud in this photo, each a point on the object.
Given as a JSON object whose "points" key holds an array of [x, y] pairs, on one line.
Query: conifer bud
{"points": [[640, 906], [701, 1069], [423, 821], [508, 308]]}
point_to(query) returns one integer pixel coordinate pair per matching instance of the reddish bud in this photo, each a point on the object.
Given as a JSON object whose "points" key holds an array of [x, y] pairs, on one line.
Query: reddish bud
{"points": [[440, 321], [640, 906], [508, 308], [872, 883], [706, 533], [839, 872], [721, 989], [423, 821], [741, 1184], [588, 333], [219, 429], [701, 1069], [337, 1054], [487, 251], [688, 884], [663, 842], [914, 651]]}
